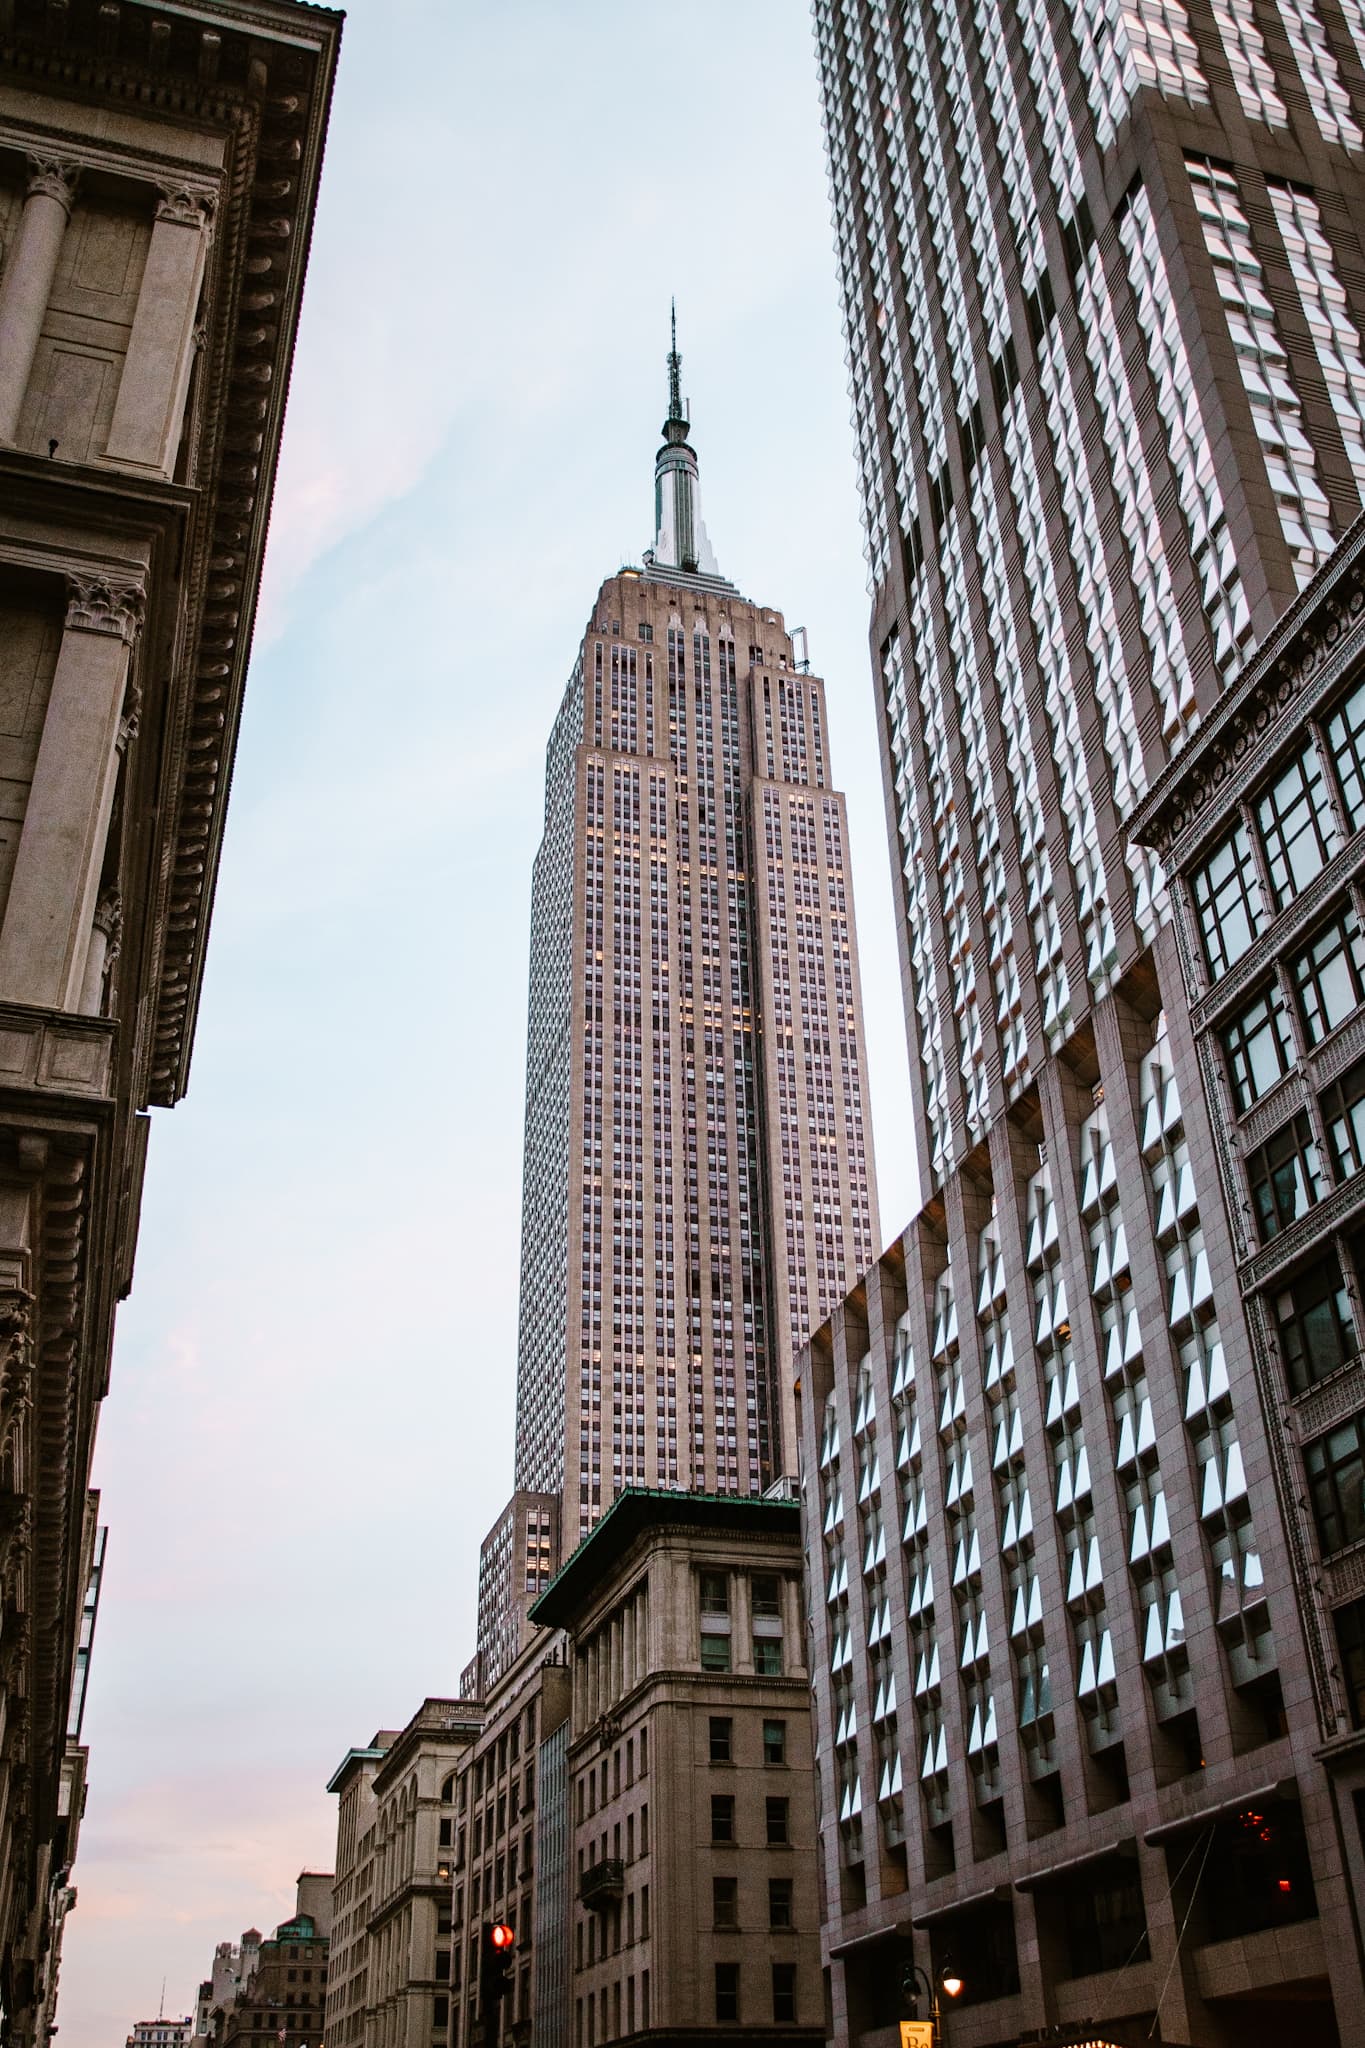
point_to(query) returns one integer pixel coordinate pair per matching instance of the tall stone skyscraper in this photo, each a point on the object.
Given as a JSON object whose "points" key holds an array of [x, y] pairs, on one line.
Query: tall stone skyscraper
{"points": [[1104, 299], [699, 1185]]}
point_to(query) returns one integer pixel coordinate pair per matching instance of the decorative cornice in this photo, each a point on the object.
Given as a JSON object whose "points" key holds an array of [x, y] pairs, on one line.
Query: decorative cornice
{"points": [[53, 177], [102, 604]]}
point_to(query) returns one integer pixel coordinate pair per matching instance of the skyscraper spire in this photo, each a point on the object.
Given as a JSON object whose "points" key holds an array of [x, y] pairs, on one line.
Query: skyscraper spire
{"points": [[680, 540], [675, 404]]}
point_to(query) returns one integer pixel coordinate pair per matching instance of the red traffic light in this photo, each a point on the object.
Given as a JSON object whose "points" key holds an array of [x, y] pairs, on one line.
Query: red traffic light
{"points": [[502, 1937]]}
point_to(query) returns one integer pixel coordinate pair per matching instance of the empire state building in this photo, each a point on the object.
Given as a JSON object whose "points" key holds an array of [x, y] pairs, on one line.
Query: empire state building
{"points": [[698, 1187]]}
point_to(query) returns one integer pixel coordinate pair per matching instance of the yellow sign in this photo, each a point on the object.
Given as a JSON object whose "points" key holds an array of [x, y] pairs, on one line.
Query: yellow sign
{"points": [[917, 2034]]}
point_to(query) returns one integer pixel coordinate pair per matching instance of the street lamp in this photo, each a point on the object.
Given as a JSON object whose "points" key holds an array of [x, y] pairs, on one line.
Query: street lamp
{"points": [[948, 1982]]}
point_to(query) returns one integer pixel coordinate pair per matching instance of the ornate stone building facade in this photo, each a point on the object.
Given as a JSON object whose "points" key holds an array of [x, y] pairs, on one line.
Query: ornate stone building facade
{"points": [[1103, 296], [158, 172]]}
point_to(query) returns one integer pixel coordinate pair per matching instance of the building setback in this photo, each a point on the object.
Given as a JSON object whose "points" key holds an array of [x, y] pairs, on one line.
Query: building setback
{"points": [[158, 172], [698, 1185], [1104, 310]]}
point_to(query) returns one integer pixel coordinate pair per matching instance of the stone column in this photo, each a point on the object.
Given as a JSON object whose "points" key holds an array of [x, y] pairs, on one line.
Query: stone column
{"points": [[26, 285], [145, 431], [103, 950], [46, 931]]}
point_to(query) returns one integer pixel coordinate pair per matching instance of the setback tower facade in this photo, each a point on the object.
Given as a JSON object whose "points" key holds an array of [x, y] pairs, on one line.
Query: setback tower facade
{"points": [[699, 1185], [1104, 308]]}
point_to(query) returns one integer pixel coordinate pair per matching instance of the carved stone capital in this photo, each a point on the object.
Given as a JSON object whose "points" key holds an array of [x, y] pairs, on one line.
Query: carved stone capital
{"points": [[99, 604], [109, 920], [54, 178], [186, 206]]}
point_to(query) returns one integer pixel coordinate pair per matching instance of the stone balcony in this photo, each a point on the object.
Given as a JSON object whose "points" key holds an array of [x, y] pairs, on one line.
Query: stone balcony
{"points": [[602, 1884]]}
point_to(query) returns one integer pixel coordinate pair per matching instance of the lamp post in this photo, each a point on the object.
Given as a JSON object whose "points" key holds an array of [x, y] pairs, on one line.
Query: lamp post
{"points": [[913, 2032]]}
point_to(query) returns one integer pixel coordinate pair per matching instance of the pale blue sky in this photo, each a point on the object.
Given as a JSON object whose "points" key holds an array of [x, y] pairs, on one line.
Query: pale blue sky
{"points": [[309, 1425]]}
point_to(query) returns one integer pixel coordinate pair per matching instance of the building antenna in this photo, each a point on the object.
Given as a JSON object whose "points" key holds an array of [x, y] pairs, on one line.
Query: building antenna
{"points": [[161, 2014], [675, 405]]}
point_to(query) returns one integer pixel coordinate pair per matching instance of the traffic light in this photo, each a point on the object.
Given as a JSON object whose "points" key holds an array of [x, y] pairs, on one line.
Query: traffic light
{"points": [[496, 1952]]}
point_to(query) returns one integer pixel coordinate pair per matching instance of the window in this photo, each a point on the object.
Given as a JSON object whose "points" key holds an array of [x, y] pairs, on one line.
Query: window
{"points": [[767, 1593], [1259, 1046], [715, 1653], [722, 1817], [1350, 1622], [1346, 737], [768, 1656], [725, 1901], [722, 1730], [779, 1902], [715, 1593], [1335, 1465], [774, 1742], [777, 1822], [784, 1991], [1227, 897], [1297, 826], [727, 1991], [1285, 1177], [1329, 976], [1343, 1113], [1313, 1314]]}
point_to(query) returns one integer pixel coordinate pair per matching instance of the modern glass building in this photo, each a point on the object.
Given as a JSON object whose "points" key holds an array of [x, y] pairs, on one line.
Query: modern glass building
{"points": [[1104, 301]]}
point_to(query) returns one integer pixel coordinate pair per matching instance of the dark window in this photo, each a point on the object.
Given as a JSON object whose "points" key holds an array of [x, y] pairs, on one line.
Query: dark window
{"points": [[1329, 975], [443, 1834], [1104, 1918], [1257, 1873], [727, 1991], [1346, 737], [1313, 1314], [1285, 1177], [725, 1901], [1259, 1046], [715, 1653], [1343, 1113], [767, 1593], [768, 1656], [1350, 1623], [784, 1991], [722, 1817], [715, 1593], [1297, 825], [778, 1831], [1335, 1465], [779, 1902], [721, 1739], [646, 631], [1227, 896], [774, 1742]]}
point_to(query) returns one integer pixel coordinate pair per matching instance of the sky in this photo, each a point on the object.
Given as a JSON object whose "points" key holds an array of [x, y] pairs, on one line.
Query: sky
{"points": [[309, 1425]]}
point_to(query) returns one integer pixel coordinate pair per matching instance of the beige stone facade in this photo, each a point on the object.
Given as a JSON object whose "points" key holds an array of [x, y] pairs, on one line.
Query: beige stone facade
{"points": [[158, 171], [691, 1828], [500, 1863], [390, 1969]]}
